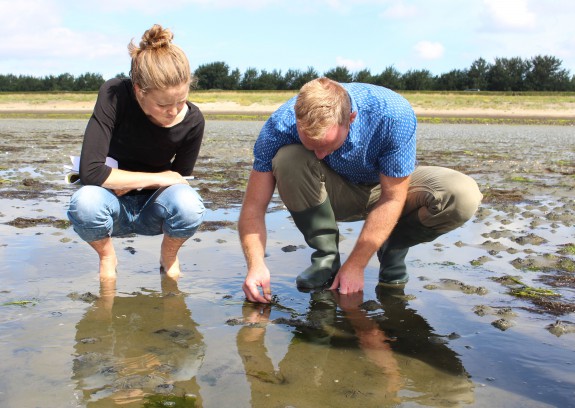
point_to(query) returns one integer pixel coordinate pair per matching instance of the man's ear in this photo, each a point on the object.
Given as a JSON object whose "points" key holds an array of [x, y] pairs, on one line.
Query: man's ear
{"points": [[352, 117]]}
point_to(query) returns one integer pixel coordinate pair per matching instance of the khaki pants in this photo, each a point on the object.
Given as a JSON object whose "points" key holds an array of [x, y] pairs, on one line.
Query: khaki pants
{"points": [[439, 199]]}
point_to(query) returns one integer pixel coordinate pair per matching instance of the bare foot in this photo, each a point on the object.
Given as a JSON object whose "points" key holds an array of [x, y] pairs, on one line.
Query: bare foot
{"points": [[169, 263], [108, 260], [108, 269], [171, 270]]}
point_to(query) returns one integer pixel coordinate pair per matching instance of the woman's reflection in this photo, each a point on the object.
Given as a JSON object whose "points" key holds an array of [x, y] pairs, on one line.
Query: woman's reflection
{"points": [[129, 348], [341, 354]]}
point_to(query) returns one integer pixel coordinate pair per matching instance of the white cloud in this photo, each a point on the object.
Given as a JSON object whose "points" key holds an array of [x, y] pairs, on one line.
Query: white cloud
{"points": [[352, 65], [150, 7], [16, 17], [429, 50], [36, 40], [400, 10], [510, 14]]}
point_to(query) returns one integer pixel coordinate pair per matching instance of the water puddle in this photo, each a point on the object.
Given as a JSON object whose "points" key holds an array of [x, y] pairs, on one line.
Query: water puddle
{"points": [[459, 335]]}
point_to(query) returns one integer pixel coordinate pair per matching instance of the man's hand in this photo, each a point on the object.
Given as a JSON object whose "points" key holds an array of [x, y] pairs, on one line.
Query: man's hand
{"points": [[252, 229], [349, 279], [254, 280]]}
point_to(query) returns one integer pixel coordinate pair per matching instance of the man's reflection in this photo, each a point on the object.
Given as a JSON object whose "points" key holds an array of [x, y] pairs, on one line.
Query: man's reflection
{"points": [[343, 355], [131, 348]]}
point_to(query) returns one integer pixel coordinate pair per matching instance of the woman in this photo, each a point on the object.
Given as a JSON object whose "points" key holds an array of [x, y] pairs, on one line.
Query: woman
{"points": [[147, 125]]}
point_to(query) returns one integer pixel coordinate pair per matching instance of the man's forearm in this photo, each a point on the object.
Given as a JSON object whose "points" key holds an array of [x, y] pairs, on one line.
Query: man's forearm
{"points": [[377, 227], [253, 238], [252, 223]]}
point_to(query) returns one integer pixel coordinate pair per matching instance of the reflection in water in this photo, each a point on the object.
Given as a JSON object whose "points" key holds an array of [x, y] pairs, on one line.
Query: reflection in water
{"points": [[140, 347], [343, 355]]}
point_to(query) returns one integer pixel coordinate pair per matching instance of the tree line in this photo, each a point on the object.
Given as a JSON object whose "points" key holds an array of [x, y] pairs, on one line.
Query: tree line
{"points": [[539, 73]]}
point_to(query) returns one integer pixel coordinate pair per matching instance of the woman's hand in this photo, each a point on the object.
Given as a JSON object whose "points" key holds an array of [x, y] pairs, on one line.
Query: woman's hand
{"points": [[121, 182], [121, 191]]}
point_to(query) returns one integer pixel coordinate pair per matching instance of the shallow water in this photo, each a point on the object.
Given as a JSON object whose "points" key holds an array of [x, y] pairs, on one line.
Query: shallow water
{"points": [[149, 341]]}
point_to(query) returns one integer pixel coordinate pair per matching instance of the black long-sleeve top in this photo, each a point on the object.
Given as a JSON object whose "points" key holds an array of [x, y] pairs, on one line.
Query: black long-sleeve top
{"points": [[120, 129]]}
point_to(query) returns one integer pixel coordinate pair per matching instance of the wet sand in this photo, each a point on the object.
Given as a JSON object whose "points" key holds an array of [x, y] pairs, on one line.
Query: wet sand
{"points": [[487, 319]]}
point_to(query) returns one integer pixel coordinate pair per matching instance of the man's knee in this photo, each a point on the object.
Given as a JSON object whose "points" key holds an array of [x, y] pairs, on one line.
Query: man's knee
{"points": [[291, 162], [466, 197], [299, 177], [444, 199]]}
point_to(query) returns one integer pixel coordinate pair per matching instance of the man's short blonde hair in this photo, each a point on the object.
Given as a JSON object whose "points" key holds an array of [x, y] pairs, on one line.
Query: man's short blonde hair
{"points": [[321, 104]]}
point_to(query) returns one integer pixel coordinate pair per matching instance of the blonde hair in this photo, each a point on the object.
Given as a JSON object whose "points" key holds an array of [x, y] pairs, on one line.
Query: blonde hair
{"points": [[156, 62], [321, 104]]}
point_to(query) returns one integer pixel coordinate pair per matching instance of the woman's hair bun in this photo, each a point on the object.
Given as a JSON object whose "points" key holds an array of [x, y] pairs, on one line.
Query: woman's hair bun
{"points": [[156, 37]]}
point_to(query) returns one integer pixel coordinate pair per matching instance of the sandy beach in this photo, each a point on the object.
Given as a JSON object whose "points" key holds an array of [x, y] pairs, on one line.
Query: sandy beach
{"points": [[233, 108]]}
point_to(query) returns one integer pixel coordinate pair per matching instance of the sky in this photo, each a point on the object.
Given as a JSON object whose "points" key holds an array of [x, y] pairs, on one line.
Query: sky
{"points": [[52, 37]]}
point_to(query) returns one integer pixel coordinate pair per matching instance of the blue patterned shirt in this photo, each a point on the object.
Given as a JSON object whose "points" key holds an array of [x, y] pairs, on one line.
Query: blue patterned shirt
{"points": [[381, 139]]}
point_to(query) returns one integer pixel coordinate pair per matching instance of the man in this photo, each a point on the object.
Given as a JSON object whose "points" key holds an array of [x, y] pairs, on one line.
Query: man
{"points": [[345, 152]]}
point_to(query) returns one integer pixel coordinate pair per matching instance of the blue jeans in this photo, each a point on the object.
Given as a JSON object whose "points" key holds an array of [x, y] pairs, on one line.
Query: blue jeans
{"points": [[97, 213]]}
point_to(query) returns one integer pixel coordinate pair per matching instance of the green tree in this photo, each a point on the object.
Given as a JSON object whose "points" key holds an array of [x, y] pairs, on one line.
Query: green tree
{"points": [[418, 80], [88, 82], [217, 75], [270, 80], [477, 74], [546, 74], [233, 80], [508, 74], [295, 79], [364, 76], [291, 77], [27, 83], [249, 79], [390, 78], [339, 74], [64, 82], [454, 80], [8, 83]]}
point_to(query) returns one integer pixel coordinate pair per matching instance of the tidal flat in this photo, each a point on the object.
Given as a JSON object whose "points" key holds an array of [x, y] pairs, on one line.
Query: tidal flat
{"points": [[487, 318]]}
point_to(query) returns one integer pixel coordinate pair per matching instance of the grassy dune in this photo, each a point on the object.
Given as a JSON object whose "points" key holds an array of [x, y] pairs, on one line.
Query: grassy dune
{"points": [[443, 106], [426, 100]]}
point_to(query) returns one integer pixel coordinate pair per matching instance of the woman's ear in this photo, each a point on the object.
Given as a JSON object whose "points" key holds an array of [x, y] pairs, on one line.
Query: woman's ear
{"points": [[138, 90]]}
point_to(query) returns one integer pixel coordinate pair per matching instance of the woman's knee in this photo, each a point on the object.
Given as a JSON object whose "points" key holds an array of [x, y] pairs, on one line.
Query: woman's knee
{"points": [[185, 209], [90, 203]]}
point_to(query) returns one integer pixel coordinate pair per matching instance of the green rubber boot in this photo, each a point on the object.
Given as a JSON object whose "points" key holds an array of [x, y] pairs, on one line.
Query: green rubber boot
{"points": [[408, 232], [392, 269], [319, 229]]}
